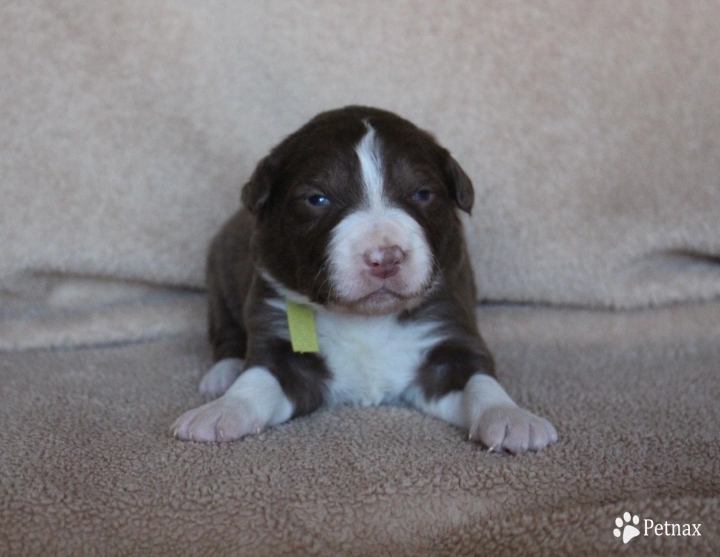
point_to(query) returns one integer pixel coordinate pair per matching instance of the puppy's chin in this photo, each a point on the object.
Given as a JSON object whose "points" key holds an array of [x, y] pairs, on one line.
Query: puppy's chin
{"points": [[380, 302]]}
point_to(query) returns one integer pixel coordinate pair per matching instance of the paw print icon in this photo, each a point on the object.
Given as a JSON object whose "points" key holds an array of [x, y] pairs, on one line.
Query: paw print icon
{"points": [[627, 527]]}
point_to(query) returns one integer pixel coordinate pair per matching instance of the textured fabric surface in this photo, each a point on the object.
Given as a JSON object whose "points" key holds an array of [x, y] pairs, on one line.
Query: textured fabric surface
{"points": [[60, 311], [87, 466], [590, 131], [589, 128]]}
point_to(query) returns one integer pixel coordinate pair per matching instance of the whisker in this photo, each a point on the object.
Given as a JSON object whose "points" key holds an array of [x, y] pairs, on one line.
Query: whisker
{"points": [[318, 287]]}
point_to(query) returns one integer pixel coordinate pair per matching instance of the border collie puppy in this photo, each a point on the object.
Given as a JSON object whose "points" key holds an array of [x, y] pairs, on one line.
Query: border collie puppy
{"points": [[346, 280]]}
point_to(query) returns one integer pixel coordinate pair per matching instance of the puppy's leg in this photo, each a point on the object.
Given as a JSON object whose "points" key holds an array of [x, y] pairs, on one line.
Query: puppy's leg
{"points": [[228, 275], [253, 402], [451, 388], [228, 338], [259, 397], [490, 416]]}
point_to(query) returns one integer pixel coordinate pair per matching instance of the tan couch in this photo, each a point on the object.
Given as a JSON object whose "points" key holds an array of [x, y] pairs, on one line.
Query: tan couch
{"points": [[591, 131]]}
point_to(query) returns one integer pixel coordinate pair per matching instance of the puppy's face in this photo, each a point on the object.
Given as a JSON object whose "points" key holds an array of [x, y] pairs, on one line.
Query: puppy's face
{"points": [[356, 211]]}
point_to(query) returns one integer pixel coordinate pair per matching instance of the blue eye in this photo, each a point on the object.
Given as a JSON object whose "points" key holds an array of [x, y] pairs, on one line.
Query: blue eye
{"points": [[318, 200], [422, 195]]}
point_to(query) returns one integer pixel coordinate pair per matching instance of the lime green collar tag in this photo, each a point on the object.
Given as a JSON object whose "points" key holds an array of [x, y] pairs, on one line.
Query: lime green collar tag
{"points": [[301, 321]]}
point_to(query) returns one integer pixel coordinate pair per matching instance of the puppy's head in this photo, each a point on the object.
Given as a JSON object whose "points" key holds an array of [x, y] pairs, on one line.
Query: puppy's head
{"points": [[356, 211]]}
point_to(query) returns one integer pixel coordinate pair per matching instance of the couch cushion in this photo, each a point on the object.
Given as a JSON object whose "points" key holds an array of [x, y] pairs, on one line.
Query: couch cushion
{"points": [[590, 130]]}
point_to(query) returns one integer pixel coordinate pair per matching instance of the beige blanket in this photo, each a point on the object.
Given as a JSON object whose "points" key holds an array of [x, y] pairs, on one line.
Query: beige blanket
{"points": [[590, 130], [87, 466]]}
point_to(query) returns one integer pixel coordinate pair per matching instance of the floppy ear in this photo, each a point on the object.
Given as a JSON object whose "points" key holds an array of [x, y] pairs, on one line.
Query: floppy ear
{"points": [[461, 187], [256, 191]]}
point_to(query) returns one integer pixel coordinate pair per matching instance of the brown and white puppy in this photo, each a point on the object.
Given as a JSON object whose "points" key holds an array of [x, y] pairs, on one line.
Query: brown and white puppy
{"points": [[354, 215]]}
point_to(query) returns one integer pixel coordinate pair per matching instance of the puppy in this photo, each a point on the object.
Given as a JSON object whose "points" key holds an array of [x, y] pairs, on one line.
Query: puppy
{"points": [[350, 240]]}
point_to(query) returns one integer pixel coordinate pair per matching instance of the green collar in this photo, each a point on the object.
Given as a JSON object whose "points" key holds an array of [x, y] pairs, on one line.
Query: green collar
{"points": [[301, 322]]}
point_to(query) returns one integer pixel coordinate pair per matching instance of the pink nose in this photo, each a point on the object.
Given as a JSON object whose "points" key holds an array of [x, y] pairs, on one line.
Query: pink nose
{"points": [[384, 262]]}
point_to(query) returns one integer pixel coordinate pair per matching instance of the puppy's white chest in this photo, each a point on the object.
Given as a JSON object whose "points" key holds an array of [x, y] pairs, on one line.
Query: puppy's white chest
{"points": [[372, 359]]}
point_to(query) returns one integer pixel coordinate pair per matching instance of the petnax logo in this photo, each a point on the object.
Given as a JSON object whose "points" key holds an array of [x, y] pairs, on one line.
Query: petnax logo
{"points": [[628, 527]]}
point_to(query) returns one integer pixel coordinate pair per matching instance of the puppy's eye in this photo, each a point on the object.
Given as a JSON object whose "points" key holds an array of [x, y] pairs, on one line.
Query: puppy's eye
{"points": [[422, 196], [318, 200]]}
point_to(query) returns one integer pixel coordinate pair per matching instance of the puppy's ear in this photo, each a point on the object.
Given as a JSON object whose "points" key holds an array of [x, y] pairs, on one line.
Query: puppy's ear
{"points": [[256, 192], [461, 187]]}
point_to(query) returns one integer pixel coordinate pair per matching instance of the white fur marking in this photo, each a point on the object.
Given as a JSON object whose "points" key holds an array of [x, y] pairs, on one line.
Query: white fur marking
{"points": [[220, 376], [261, 387], [373, 359], [286, 293], [483, 392], [368, 151], [448, 408]]}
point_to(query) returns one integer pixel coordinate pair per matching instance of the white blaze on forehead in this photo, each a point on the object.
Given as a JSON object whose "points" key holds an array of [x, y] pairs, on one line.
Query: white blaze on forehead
{"points": [[368, 151]]}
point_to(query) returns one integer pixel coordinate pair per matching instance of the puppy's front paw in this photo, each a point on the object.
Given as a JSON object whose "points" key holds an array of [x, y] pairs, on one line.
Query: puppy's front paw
{"points": [[220, 376], [253, 402], [512, 429], [222, 420]]}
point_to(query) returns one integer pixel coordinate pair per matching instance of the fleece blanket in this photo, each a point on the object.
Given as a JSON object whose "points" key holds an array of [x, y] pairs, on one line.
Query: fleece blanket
{"points": [[590, 131], [589, 128], [87, 466]]}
